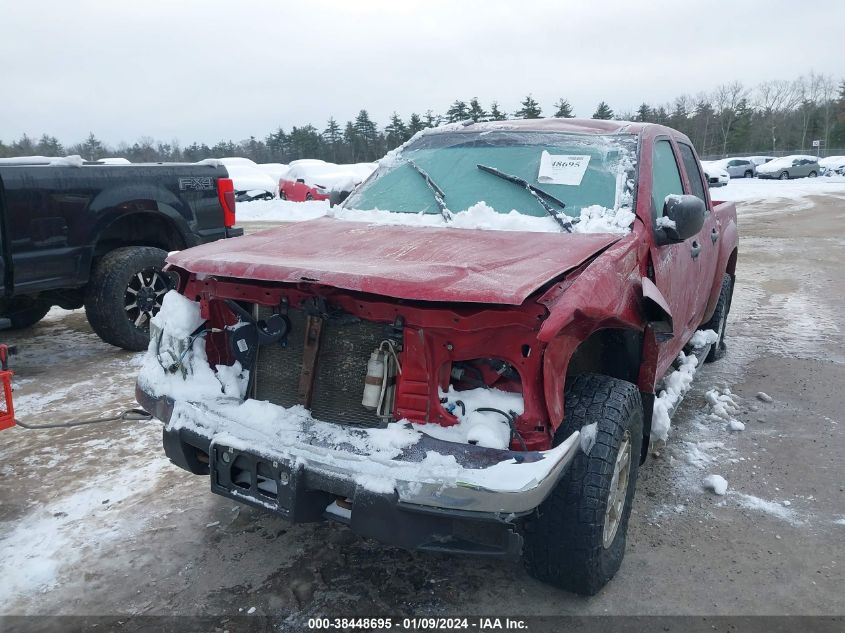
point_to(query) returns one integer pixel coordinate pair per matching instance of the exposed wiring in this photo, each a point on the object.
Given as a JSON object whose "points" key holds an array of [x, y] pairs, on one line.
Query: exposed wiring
{"points": [[511, 421], [130, 415]]}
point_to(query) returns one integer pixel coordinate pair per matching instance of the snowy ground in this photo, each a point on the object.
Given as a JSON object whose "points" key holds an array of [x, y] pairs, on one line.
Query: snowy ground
{"points": [[94, 520]]}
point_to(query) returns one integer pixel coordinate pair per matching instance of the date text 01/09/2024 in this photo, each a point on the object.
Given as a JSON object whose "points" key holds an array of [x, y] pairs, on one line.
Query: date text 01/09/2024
{"points": [[418, 624]]}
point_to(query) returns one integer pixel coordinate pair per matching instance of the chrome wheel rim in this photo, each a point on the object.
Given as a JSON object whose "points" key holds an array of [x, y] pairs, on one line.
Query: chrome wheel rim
{"points": [[618, 491], [143, 296]]}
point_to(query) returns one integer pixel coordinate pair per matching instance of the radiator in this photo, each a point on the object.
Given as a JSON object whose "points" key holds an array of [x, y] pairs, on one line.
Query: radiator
{"points": [[345, 346]]}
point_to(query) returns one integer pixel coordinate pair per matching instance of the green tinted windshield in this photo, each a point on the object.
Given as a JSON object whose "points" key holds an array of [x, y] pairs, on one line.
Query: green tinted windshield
{"points": [[579, 169]]}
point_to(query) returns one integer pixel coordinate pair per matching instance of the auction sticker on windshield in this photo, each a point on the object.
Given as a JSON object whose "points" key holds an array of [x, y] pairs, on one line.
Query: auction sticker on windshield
{"points": [[562, 169]]}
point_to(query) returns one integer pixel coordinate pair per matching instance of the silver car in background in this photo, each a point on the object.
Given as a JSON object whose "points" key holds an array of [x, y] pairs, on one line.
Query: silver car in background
{"points": [[797, 166], [738, 167]]}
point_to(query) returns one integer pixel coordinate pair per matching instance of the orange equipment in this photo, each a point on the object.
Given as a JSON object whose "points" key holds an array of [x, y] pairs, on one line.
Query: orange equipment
{"points": [[7, 408]]}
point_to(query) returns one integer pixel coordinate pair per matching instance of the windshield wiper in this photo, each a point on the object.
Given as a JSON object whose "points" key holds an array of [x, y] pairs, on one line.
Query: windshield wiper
{"points": [[439, 196], [540, 195]]}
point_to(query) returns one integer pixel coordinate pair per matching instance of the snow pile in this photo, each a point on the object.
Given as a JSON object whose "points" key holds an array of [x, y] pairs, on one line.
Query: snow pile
{"points": [[716, 483], [594, 219], [702, 338], [746, 189], [329, 176], [276, 171], [278, 210], [68, 161], [722, 403], [245, 174], [485, 428], [675, 385], [768, 507]]}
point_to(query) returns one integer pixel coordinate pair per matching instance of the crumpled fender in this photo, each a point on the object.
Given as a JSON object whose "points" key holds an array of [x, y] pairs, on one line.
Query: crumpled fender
{"points": [[607, 293]]}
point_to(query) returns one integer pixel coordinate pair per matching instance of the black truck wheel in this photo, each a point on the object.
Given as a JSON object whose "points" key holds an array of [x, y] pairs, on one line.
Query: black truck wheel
{"points": [[125, 291], [24, 312], [718, 322], [576, 540]]}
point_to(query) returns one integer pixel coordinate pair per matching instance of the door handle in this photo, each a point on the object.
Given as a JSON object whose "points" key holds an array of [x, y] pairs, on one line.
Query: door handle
{"points": [[714, 235], [695, 251]]}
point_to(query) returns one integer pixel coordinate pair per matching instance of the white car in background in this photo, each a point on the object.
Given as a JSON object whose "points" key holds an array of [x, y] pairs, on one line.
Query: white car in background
{"points": [[276, 171], [251, 183], [832, 166], [717, 176]]}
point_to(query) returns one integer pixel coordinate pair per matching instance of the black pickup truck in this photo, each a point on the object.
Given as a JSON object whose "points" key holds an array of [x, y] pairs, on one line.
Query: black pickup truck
{"points": [[95, 235]]}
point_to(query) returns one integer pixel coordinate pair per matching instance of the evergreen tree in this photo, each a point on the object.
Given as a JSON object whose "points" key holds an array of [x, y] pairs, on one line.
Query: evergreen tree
{"points": [[367, 133], [352, 143], [23, 146], [430, 119], [603, 111], [395, 133], [644, 114], [92, 148], [415, 124], [305, 142], [277, 146], [530, 109], [458, 111], [49, 146], [332, 137], [495, 113], [564, 110], [476, 112]]}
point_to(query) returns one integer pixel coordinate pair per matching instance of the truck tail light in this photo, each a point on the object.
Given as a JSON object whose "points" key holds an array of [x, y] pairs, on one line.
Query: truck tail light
{"points": [[226, 194]]}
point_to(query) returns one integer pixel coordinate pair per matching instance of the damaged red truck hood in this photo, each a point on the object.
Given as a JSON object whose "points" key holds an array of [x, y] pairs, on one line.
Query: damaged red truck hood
{"points": [[406, 262]]}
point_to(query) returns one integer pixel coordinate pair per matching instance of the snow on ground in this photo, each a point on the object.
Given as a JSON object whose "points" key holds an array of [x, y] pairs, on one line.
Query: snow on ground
{"points": [[278, 210], [744, 189]]}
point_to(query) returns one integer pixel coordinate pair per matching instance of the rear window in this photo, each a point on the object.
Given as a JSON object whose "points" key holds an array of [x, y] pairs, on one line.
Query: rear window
{"points": [[693, 170]]}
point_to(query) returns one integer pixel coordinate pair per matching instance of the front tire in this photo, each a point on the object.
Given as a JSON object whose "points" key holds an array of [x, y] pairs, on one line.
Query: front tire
{"points": [[124, 293], [24, 312], [784, 175], [812, 174], [576, 540], [748, 174], [718, 322]]}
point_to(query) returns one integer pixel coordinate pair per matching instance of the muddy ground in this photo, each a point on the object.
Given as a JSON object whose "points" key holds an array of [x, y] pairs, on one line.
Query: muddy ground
{"points": [[94, 520]]}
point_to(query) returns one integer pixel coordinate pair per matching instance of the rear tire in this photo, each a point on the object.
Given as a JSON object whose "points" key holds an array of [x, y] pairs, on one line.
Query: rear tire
{"points": [[308, 197], [24, 312], [748, 174], [124, 292], [576, 539], [812, 174], [718, 322]]}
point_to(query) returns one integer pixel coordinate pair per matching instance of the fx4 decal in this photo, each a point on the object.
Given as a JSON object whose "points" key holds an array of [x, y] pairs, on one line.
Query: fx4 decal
{"points": [[196, 184]]}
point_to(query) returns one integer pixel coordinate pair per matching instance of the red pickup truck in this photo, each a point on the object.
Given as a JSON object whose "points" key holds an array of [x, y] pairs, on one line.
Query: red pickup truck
{"points": [[464, 356]]}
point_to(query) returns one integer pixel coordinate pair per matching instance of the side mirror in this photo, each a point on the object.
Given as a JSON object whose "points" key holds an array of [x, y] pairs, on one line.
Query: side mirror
{"points": [[684, 217]]}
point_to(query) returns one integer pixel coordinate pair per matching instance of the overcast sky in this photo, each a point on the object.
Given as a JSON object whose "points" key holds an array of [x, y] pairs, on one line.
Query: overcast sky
{"points": [[209, 70]]}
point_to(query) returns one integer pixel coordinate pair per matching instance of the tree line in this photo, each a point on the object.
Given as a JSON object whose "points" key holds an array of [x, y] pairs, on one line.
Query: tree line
{"points": [[773, 116]]}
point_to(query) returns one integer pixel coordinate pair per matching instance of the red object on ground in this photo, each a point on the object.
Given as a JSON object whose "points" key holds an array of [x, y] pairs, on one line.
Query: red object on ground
{"points": [[7, 408]]}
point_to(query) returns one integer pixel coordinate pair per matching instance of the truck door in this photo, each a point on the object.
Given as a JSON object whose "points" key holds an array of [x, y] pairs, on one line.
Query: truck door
{"points": [[676, 267], [708, 258]]}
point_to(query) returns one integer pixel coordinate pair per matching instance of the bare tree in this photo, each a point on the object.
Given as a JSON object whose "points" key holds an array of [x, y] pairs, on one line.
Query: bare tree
{"points": [[774, 99], [827, 96], [726, 99]]}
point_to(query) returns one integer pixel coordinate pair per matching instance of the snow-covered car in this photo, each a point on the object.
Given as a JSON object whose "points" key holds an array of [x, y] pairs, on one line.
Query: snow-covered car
{"points": [[468, 355], [251, 183], [717, 176], [314, 179], [787, 167], [832, 166], [276, 171], [760, 160]]}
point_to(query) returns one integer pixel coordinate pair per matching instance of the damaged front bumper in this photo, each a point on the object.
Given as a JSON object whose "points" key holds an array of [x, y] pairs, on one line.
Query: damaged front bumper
{"points": [[429, 495]]}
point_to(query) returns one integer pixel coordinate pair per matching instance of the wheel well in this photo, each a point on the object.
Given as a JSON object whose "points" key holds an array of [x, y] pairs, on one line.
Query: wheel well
{"points": [[140, 229], [731, 267], [612, 352], [617, 353]]}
